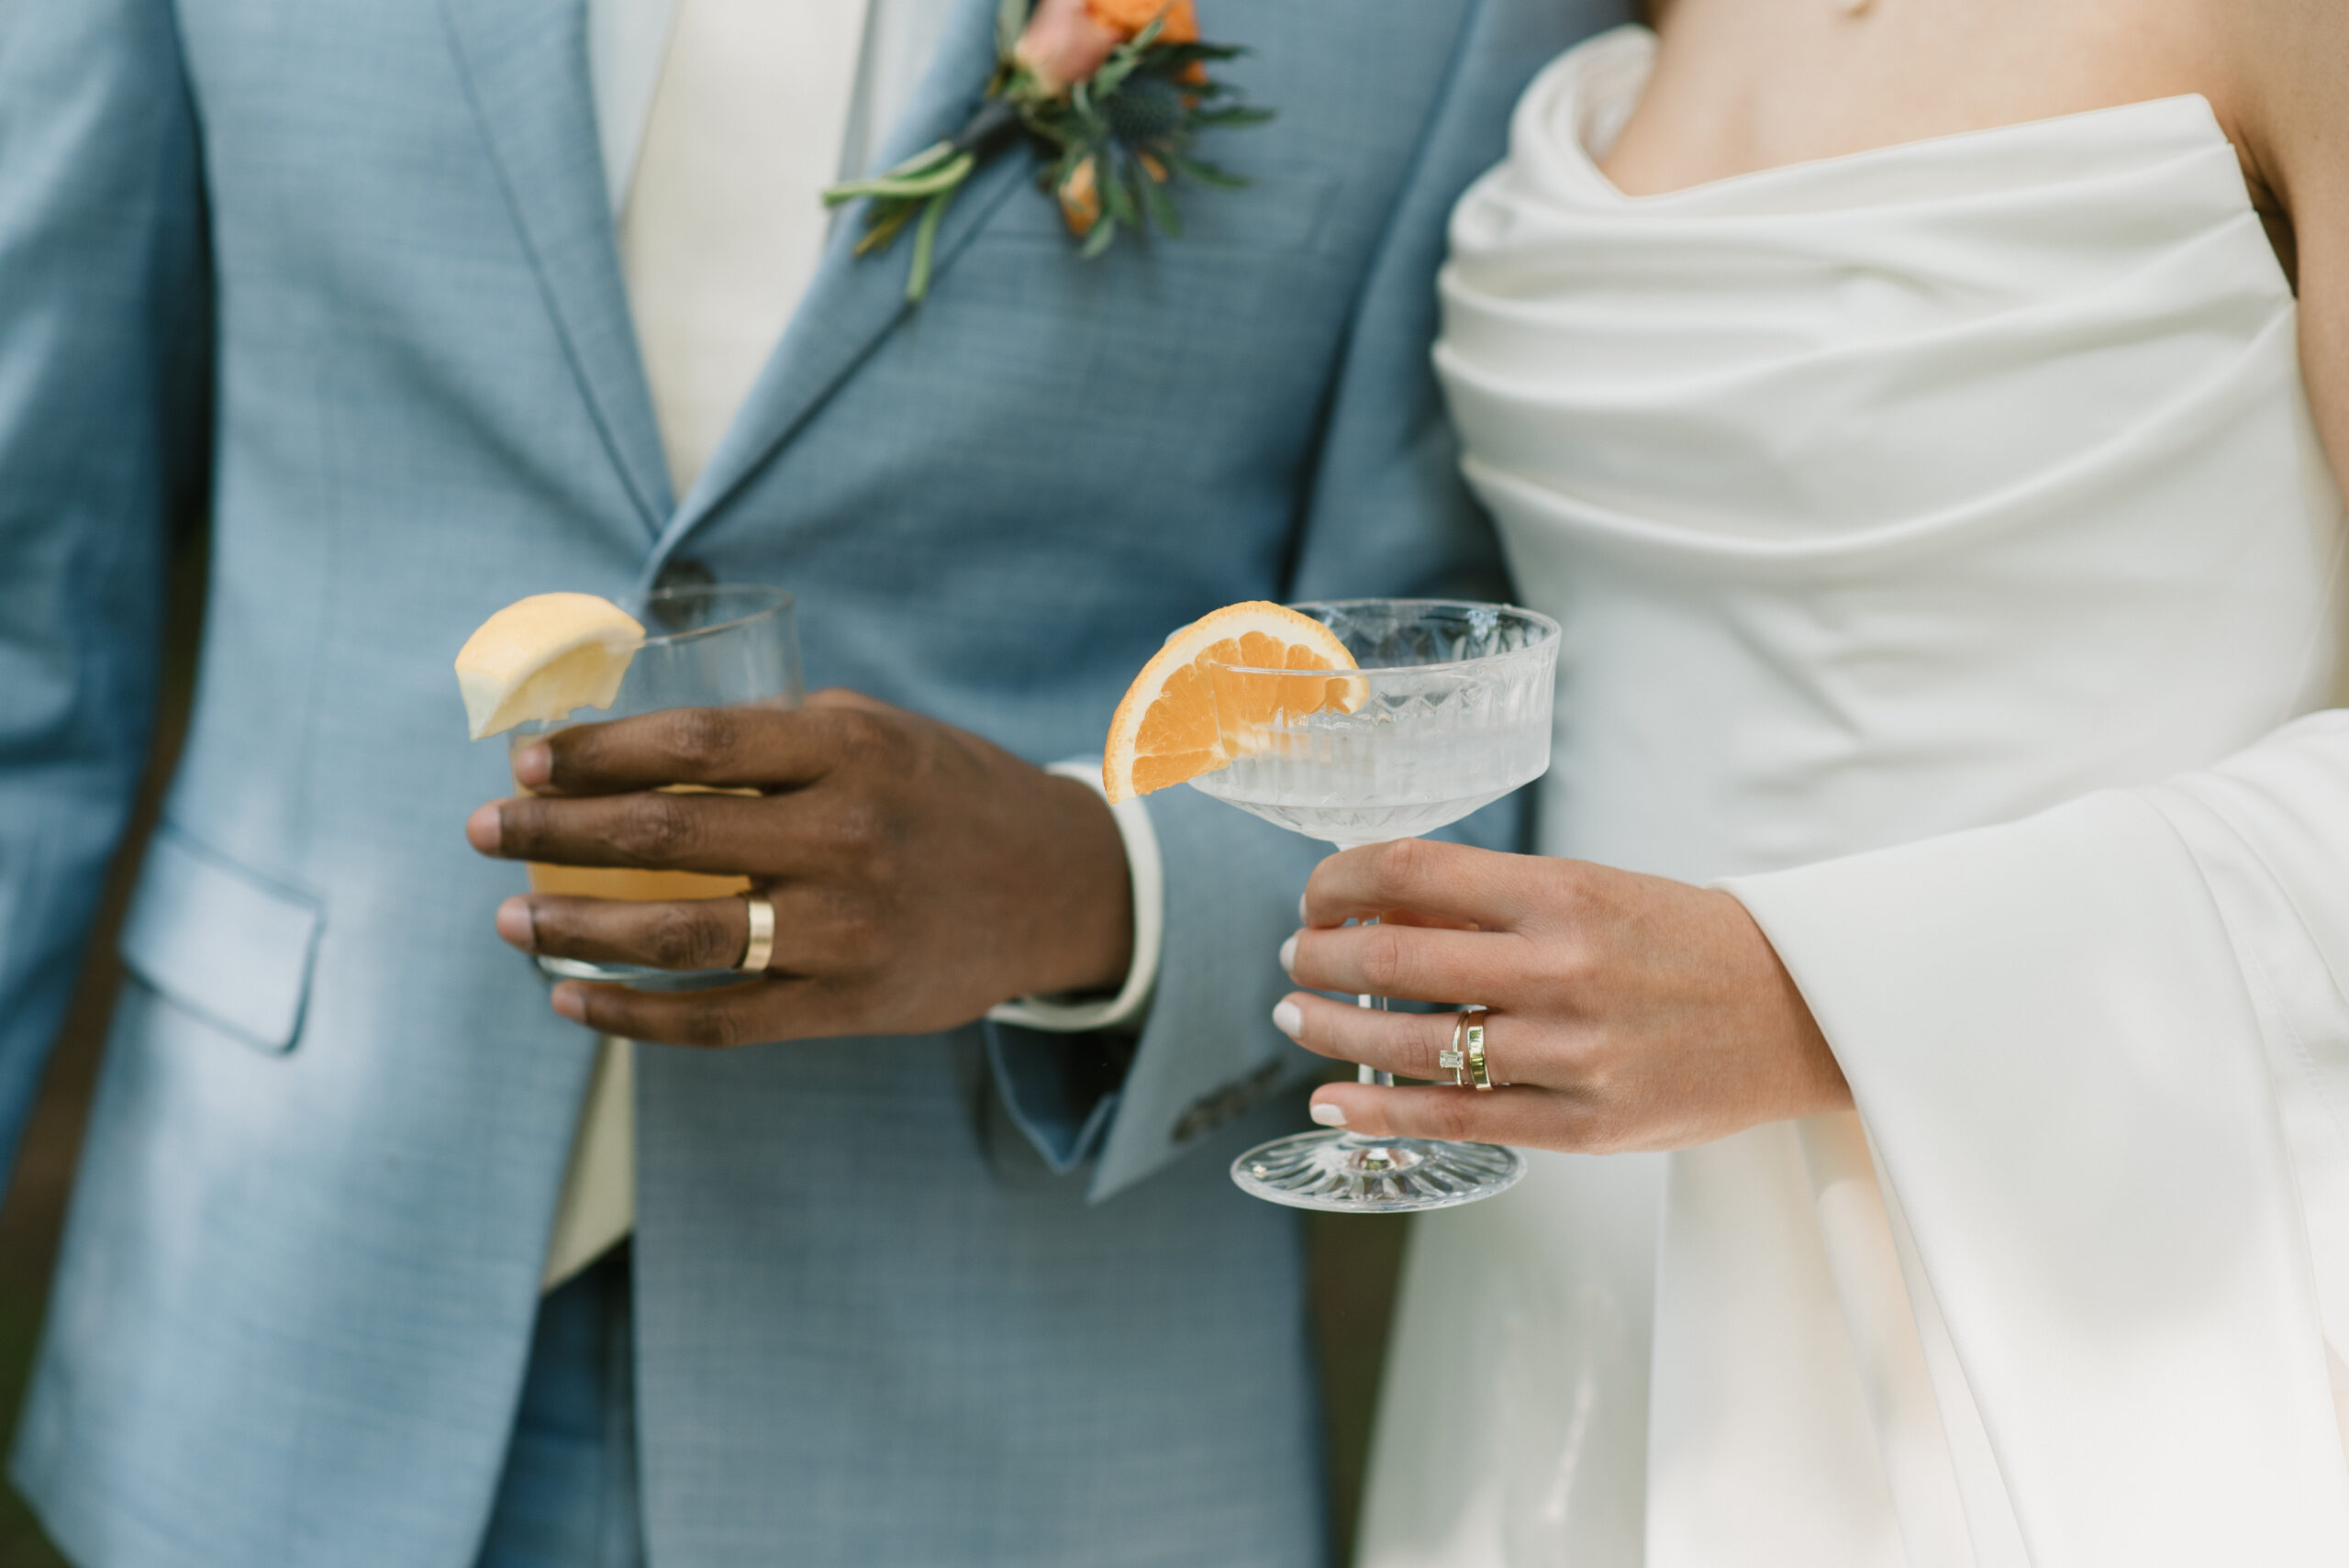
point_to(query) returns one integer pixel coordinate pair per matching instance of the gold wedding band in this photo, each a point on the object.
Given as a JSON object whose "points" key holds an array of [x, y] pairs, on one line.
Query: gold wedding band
{"points": [[761, 948], [1476, 1074]]}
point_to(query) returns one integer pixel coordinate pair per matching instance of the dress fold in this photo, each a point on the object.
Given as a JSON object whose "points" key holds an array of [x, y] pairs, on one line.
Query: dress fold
{"points": [[2059, 1065]]}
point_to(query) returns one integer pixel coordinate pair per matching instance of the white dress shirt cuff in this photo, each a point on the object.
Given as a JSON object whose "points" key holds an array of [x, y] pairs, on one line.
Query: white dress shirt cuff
{"points": [[1062, 1015]]}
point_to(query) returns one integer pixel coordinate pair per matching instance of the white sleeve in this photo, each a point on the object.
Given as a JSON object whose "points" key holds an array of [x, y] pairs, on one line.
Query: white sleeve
{"points": [[2102, 1060], [1125, 1010]]}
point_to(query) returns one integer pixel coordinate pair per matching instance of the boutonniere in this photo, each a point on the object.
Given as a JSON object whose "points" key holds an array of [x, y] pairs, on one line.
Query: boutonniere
{"points": [[1113, 91]]}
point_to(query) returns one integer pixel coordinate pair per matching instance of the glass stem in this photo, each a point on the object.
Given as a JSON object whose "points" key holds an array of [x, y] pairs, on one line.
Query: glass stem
{"points": [[1364, 1074], [1371, 1075]]}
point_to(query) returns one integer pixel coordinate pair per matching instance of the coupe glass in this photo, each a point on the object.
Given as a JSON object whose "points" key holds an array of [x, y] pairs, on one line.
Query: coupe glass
{"points": [[719, 646], [1449, 711]]}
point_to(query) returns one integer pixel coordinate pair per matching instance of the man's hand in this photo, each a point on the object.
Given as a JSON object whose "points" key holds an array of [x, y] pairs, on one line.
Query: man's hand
{"points": [[920, 874]]}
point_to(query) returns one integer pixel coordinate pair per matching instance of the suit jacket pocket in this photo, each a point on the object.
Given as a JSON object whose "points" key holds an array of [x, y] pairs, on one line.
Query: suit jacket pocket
{"points": [[221, 941]]}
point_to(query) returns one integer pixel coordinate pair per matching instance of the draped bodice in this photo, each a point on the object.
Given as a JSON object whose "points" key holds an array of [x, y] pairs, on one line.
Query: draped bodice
{"points": [[1892, 493]]}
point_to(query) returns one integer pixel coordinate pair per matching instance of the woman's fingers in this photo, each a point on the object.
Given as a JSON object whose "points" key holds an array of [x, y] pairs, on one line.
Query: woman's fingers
{"points": [[1414, 963], [1522, 1116], [1406, 1044], [1457, 884], [1431, 922]]}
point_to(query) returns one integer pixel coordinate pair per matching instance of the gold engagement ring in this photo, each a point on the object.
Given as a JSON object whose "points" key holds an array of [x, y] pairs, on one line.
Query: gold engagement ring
{"points": [[1467, 1057]]}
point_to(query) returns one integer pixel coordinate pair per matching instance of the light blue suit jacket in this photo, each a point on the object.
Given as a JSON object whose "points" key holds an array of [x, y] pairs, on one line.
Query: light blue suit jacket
{"points": [[343, 270]]}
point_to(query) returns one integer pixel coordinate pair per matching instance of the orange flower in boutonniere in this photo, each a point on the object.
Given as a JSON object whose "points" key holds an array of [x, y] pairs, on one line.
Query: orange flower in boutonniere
{"points": [[1114, 91]]}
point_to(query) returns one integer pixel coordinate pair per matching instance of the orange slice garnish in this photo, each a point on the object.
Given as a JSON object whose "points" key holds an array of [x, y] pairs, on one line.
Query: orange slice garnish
{"points": [[1188, 712], [542, 657]]}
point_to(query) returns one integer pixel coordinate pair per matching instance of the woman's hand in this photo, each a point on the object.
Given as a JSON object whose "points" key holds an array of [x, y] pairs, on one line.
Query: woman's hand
{"points": [[1627, 1011], [918, 873]]}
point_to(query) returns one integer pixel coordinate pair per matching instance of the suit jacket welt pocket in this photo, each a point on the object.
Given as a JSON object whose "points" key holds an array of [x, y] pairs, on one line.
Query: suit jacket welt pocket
{"points": [[223, 943]]}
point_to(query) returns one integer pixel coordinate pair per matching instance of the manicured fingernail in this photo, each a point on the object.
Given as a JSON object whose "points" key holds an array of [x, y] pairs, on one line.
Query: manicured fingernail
{"points": [[1328, 1115], [1300, 910], [571, 1002], [533, 765], [1288, 955], [482, 830], [514, 922], [1287, 1019]]}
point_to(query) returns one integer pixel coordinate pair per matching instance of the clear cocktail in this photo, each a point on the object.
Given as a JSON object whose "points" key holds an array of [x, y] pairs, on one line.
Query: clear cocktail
{"points": [[1448, 710]]}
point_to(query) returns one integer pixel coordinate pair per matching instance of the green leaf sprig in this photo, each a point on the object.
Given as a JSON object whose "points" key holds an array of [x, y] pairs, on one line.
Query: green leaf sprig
{"points": [[1116, 144]]}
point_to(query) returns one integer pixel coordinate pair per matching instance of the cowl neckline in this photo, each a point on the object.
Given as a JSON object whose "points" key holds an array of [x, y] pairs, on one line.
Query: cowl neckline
{"points": [[1912, 346], [1598, 85]]}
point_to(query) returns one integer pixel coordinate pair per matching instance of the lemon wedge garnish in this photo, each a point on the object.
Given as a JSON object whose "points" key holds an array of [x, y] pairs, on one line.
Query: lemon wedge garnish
{"points": [[1171, 725], [544, 657]]}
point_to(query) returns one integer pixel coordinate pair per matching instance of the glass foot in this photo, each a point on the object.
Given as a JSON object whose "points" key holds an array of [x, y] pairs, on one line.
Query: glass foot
{"points": [[1345, 1175]]}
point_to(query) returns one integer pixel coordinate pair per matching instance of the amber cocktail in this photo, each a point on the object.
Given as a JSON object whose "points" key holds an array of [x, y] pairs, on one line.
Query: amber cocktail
{"points": [[705, 646]]}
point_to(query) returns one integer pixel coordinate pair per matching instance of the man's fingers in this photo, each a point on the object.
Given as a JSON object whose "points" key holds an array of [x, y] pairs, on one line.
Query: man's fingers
{"points": [[758, 1011], [1525, 1117], [841, 696], [701, 933], [658, 830], [1455, 884], [1407, 963], [720, 748], [819, 931]]}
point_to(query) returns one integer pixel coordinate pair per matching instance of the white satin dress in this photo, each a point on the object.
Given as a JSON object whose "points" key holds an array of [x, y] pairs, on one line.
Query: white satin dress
{"points": [[1947, 559]]}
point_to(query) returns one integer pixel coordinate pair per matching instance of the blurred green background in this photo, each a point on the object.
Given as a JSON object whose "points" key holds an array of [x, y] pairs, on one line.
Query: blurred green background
{"points": [[1354, 1259]]}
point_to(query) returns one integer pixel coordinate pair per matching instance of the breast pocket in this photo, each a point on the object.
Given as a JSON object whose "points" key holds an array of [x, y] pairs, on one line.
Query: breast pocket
{"points": [[222, 941]]}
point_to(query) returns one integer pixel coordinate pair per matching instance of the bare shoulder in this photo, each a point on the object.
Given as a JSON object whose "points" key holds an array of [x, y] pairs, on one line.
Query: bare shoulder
{"points": [[2282, 93], [2287, 63]]}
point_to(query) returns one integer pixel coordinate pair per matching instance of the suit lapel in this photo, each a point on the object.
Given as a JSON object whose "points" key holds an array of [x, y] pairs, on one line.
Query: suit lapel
{"points": [[525, 66], [854, 302]]}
